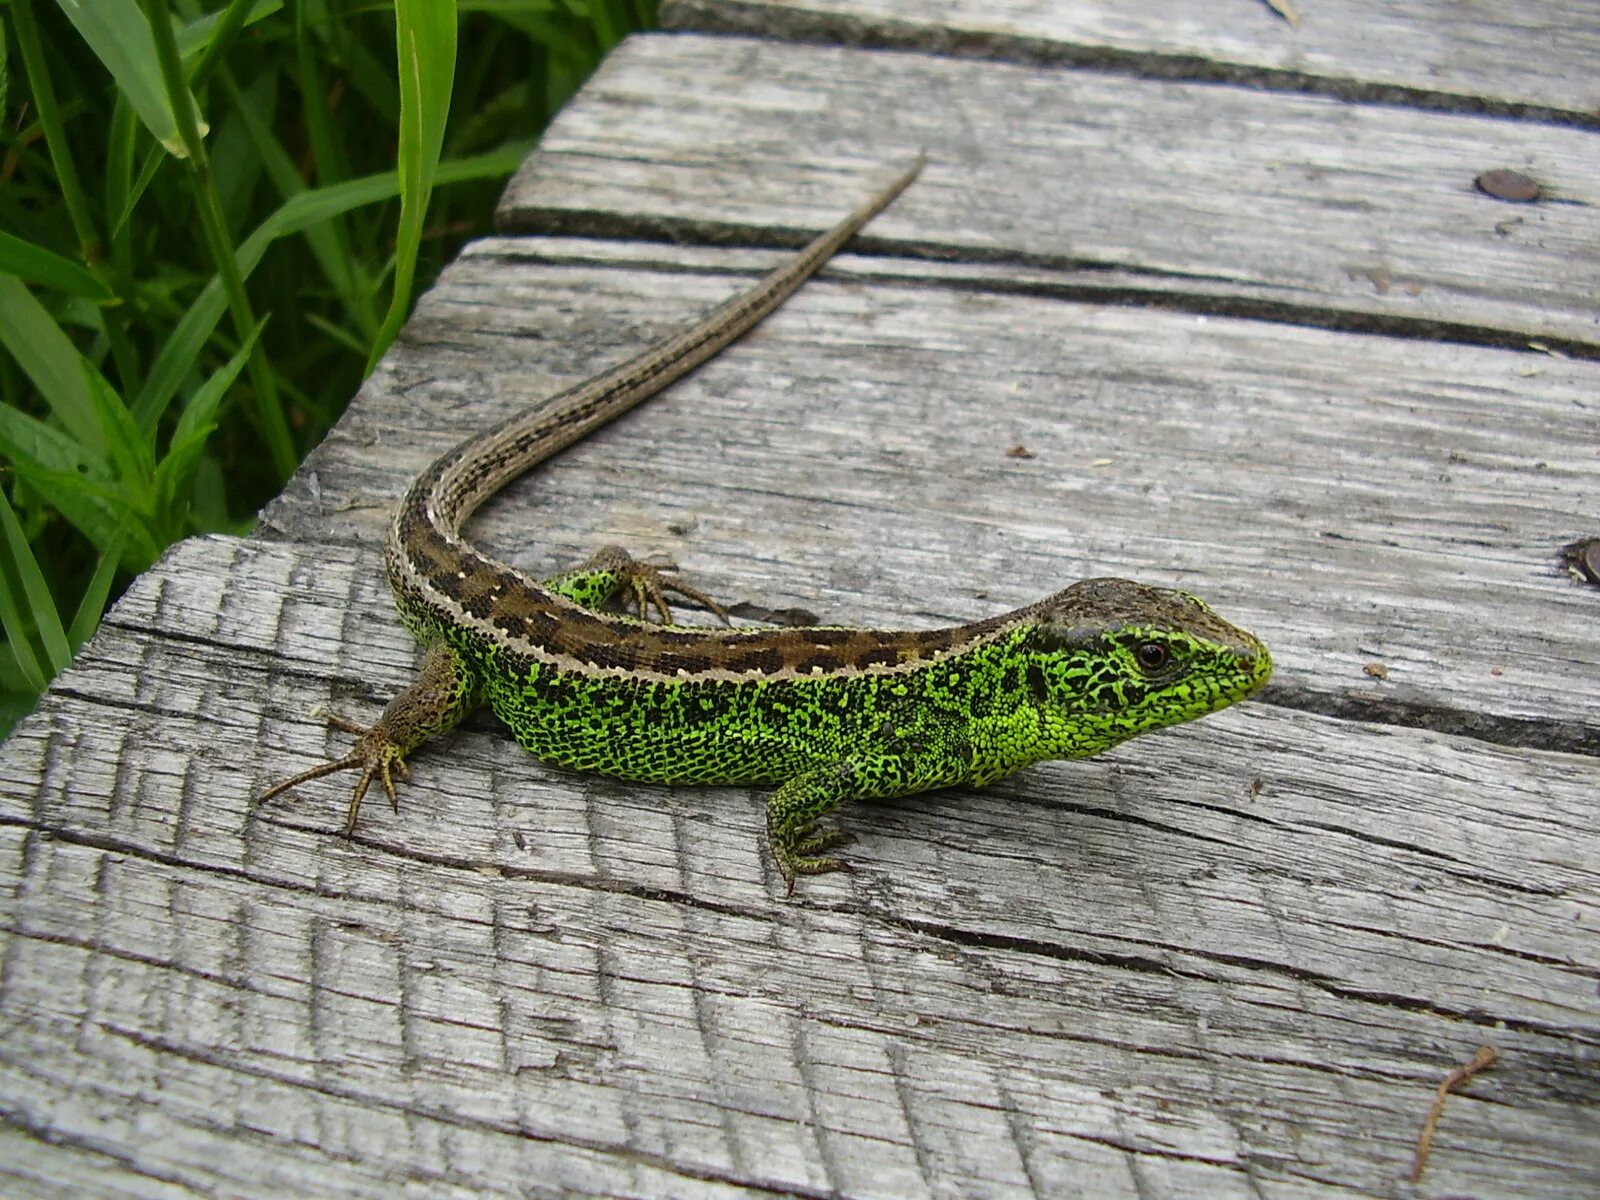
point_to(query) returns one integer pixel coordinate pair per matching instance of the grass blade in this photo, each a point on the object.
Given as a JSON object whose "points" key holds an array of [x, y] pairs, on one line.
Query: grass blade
{"points": [[175, 473], [99, 511], [214, 34], [339, 265], [42, 87], [271, 422], [40, 606], [300, 212], [121, 39], [27, 439], [93, 605], [425, 37], [48, 269], [129, 449], [50, 360]]}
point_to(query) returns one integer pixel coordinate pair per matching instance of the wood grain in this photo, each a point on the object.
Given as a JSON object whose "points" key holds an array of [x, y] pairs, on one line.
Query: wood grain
{"points": [[1529, 60], [1123, 977], [1218, 199]]}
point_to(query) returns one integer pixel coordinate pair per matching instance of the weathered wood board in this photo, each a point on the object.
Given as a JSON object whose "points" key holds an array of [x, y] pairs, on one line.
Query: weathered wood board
{"points": [[1232, 959], [1305, 207], [1525, 59], [1125, 977]]}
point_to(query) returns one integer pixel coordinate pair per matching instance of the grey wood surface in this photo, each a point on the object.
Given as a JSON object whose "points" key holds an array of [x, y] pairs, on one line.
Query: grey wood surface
{"points": [[1305, 207], [1232, 959], [1134, 976], [1515, 59]]}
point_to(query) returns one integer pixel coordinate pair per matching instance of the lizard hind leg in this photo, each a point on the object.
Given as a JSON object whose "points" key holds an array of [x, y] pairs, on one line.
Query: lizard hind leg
{"points": [[446, 690], [611, 573]]}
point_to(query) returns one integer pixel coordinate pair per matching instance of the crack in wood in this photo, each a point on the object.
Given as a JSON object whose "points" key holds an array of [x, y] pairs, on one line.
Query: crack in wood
{"points": [[794, 25], [1524, 733]]}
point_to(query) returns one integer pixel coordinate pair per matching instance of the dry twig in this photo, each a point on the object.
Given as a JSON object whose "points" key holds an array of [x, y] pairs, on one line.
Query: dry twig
{"points": [[1485, 1058]]}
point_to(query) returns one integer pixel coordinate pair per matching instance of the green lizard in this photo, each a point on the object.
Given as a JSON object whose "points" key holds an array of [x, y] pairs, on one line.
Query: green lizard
{"points": [[827, 714]]}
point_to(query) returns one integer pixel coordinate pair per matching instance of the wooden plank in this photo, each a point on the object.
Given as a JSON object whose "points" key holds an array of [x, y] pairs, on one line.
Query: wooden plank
{"points": [[1351, 499], [1128, 977], [1211, 198], [1529, 60]]}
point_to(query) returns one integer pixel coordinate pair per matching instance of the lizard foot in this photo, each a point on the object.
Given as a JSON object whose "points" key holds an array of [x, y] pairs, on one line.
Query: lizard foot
{"points": [[376, 755], [799, 852], [612, 574], [647, 588], [445, 691]]}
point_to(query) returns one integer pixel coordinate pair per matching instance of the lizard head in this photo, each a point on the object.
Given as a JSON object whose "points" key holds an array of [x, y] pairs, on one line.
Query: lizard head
{"points": [[1110, 658]]}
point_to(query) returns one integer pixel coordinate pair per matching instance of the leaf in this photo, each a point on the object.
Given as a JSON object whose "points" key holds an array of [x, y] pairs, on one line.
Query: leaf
{"points": [[425, 37], [19, 561], [82, 491], [93, 605], [610, 23], [153, 158], [196, 35], [130, 450], [100, 511], [121, 143], [119, 34], [28, 439], [199, 416], [50, 360], [49, 269]]}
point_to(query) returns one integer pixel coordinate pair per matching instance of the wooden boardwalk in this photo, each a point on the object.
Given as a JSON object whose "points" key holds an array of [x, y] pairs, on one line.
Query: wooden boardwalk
{"points": [[1185, 294]]}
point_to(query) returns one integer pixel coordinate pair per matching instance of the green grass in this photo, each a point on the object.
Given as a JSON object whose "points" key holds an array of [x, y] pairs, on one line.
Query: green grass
{"points": [[212, 225]]}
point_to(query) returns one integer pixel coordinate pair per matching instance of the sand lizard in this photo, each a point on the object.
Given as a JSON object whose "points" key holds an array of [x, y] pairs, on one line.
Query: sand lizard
{"points": [[827, 714]]}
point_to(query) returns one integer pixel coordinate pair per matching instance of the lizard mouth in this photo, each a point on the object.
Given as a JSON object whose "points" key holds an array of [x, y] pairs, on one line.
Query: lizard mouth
{"points": [[1255, 661]]}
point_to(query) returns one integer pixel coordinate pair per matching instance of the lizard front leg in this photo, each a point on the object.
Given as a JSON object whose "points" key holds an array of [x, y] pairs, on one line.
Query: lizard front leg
{"points": [[896, 762]]}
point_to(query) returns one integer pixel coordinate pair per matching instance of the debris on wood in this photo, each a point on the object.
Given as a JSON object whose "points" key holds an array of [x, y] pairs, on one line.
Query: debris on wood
{"points": [[1286, 10], [1512, 186], [1485, 1058]]}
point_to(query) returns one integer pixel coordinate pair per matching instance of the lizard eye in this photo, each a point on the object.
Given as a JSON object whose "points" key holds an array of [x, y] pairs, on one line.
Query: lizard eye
{"points": [[1152, 656]]}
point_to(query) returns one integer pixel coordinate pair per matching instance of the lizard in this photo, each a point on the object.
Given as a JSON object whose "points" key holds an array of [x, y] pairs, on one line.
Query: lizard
{"points": [[827, 714]]}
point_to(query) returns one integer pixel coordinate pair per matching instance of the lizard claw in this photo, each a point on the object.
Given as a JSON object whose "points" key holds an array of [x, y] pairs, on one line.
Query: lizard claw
{"points": [[375, 755], [613, 576], [648, 586], [642, 586], [443, 694], [798, 852]]}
